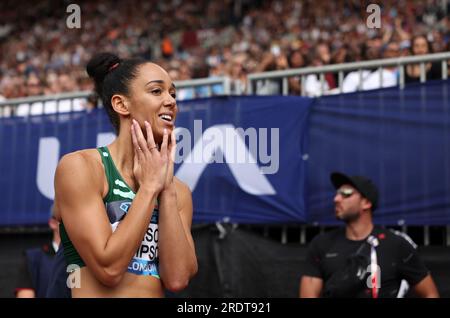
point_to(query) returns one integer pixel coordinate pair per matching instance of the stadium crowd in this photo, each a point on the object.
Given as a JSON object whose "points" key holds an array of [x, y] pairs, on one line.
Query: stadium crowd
{"points": [[39, 54]]}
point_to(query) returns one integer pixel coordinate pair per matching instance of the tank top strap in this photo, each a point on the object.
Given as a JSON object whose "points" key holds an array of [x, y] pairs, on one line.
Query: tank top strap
{"points": [[118, 189], [109, 168]]}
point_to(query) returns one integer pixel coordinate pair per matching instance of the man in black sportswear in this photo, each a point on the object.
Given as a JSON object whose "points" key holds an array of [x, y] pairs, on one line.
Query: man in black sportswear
{"points": [[362, 260]]}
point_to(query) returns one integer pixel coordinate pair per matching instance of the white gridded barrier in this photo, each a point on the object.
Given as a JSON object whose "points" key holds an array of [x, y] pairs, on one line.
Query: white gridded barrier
{"points": [[77, 101], [277, 82]]}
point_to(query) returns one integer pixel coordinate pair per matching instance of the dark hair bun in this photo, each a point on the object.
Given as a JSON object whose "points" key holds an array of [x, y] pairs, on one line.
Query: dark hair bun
{"points": [[100, 65]]}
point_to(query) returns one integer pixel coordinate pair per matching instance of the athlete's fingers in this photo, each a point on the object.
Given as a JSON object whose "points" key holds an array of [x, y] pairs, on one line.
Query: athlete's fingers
{"points": [[137, 148], [135, 158], [140, 137], [173, 145], [164, 144], [150, 140]]}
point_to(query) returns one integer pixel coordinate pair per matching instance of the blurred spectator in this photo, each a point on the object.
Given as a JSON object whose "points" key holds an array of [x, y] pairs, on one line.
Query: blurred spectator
{"points": [[274, 60], [91, 102], [370, 50], [34, 86], [448, 62], [387, 76], [52, 84], [67, 83], [324, 55], [37, 264], [194, 32], [313, 85], [238, 76], [419, 46], [296, 60], [218, 70], [166, 47]]}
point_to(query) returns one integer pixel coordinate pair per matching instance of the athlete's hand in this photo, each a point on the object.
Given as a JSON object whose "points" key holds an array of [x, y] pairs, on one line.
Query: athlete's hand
{"points": [[150, 165], [170, 168]]}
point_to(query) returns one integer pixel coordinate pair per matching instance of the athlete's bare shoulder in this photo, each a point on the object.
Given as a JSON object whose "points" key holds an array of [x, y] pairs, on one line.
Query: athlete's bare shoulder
{"points": [[181, 186], [83, 167], [81, 160], [89, 155], [183, 193]]}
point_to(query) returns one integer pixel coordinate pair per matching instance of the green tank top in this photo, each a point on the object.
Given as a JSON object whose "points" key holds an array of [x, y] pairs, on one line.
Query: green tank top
{"points": [[117, 202]]}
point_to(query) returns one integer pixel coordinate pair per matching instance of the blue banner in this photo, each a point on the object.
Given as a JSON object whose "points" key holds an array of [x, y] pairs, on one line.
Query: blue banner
{"points": [[260, 181], [398, 138], [30, 150], [241, 157], [263, 159]]}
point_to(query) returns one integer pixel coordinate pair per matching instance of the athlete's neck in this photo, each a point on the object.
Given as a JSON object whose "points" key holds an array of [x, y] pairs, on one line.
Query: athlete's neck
{"points": [[122, 151]]}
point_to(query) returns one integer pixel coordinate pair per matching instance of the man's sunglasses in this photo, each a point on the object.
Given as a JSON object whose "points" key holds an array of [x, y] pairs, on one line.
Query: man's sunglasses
{"points": [[345, 192]]}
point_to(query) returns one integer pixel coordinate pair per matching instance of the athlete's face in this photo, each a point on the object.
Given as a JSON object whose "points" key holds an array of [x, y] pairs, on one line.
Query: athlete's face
{"points": [[152, 96], [348, 203]]}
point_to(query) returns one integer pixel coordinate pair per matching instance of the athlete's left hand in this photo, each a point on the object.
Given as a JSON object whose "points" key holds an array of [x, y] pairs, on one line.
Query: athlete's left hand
{"points": [[170, 168]]}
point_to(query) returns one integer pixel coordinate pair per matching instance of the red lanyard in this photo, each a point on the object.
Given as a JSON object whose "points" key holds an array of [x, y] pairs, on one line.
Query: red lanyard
{"points": [[373, 241]]}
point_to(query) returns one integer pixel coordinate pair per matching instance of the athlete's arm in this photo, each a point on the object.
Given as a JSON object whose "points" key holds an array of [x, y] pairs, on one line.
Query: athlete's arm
{"points": [[178, 262], [78, 191], [176, 250], [310, 287]]}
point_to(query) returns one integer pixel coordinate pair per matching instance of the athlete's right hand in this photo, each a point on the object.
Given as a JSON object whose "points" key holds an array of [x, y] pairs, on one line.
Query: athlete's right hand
{"points": [[150, 165]]}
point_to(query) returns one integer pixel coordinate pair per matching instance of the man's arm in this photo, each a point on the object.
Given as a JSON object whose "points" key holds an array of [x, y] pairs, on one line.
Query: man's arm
{"points": [[25, 293], [24, 284], [311, 283], [413, 269], [310, 287], [426, 288]]}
